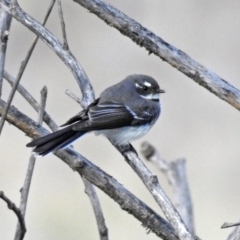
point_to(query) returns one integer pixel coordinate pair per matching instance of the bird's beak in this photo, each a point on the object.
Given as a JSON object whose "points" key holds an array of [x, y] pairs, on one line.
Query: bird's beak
{"points": [[160, 91]]}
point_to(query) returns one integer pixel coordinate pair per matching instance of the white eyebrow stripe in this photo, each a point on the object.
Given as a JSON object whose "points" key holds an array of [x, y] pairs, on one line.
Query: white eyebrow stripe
{"points": [[137, 85], [148, 84]]}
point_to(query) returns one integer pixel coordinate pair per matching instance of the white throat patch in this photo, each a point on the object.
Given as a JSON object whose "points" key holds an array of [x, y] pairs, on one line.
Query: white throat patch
{"points": [[151, 96]]}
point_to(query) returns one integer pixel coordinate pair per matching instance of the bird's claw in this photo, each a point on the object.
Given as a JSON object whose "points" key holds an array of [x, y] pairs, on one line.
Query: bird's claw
{"points": [[126, 148]]}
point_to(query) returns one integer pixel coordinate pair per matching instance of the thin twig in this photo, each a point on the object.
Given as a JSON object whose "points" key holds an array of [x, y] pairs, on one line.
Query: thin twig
{"points": [[18, 213], [60, 13], [228, 225], [28, 178], [167, 52], [73, 96], [66, 56], [102, 228], [152, 184], [175, 172], [5, 22], [21, 70], [29, 98], [127, 201]]}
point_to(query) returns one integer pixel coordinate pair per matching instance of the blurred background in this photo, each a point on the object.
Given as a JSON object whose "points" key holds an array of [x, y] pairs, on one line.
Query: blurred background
{"points": [[194, 124]]}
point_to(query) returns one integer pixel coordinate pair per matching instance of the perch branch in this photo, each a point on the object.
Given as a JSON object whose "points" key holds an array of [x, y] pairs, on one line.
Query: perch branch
{"points": [[175, 172], [152, 184], [167, 52], [5, 22], [65, 55], [28, 178], [22, 68], [18, 213], [127, 201]]}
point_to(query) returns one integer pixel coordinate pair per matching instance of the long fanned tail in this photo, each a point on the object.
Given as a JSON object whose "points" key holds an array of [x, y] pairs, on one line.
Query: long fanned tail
{"points": [[55, 140]]}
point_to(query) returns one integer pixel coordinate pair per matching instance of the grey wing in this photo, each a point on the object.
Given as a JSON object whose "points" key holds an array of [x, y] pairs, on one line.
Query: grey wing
{"points": [[106, 115], [81, 116], [109, 115]]}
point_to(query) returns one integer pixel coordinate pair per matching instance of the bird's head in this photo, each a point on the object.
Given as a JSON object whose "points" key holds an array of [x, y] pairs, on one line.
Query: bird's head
{"points": [[146, 87]]}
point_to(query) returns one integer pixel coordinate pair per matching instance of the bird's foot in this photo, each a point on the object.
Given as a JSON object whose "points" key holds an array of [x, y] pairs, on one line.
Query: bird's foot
{"points": [[126, 148]]}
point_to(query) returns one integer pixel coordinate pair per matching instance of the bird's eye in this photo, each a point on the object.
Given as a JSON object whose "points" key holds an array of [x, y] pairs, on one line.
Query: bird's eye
{"points": [[145, 88]]}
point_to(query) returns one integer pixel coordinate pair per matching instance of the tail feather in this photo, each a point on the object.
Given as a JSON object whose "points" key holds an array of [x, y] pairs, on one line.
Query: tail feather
{"points": [[54, 141]]}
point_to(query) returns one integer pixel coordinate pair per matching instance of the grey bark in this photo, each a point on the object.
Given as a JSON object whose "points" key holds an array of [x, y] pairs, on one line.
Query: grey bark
{"points": [[152, 184], [127, 201], [28, 178], [175, 172], [167, 52], [5, 22]]}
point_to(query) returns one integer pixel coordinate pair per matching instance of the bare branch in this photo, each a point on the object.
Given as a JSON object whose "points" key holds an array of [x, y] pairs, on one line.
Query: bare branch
{"points": [[66, 56], [167, 52], [22, 68], [234, 235], [152, 184], [29, 98], [102, 228], [60, 12], [28, 178], [18, 213], [5, 22], [175, 172], [99, 178], [73, 96], [43, 104], [227, 225]]}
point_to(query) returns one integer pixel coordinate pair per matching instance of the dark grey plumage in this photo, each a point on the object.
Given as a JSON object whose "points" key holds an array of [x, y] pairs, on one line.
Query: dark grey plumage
{"points": [[123, 112]]}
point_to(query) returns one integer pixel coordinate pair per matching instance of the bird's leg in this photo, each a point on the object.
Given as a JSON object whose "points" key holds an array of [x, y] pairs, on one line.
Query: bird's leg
{"points": [[125, 148]]}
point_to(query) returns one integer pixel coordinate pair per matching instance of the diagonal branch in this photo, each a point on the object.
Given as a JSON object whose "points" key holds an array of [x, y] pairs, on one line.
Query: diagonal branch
{"points": [[167, 52], [99, 178], [29, 98], [175, 172], [5, 22], [152, 184], [65, 55], [18, 213]]}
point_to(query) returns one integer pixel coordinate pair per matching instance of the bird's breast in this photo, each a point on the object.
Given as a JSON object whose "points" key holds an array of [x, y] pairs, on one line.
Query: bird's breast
{"points": [[124, 135]]}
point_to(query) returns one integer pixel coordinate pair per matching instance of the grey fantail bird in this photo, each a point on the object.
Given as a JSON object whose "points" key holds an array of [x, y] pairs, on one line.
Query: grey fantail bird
{"points": [[122, 113]]}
